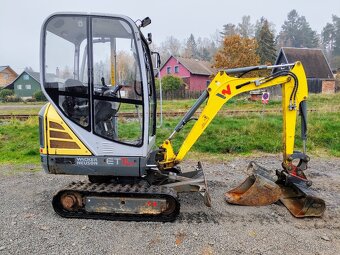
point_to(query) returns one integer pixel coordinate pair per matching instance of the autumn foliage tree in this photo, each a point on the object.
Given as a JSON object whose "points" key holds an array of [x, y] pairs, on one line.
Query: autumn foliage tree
{"points": [[236, 51]]}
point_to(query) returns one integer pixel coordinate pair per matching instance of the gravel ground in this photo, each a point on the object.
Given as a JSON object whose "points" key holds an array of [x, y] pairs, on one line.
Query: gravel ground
{"points": [[28, 224]]}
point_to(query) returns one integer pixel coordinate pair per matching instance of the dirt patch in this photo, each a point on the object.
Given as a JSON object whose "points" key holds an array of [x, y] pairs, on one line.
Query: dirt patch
{"points": [[30, 226]]}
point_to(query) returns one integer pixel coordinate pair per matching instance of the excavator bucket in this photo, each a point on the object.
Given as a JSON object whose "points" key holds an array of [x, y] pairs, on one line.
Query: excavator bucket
{"points": [[255, 190], [260, 189], [300, 200]]}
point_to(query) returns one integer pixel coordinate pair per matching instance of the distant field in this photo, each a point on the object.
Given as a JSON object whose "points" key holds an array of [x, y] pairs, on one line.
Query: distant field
{"points": [[227, 135], [19, 108], [318, 102]]}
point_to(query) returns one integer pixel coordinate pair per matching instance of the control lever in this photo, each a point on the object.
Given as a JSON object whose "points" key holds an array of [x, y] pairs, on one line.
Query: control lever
{"points": [[116, 89]]}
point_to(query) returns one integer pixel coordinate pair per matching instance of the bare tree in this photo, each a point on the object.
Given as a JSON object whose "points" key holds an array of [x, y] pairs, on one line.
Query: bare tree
{"points": [[190, 50], [245, 28], [171, 46]]}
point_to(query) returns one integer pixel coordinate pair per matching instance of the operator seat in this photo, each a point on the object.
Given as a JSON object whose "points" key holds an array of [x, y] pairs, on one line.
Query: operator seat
{"points": [[104, 111], [76, 105]]}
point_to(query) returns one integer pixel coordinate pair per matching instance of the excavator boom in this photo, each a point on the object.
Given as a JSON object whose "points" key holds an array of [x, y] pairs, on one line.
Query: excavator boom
{"points": [[224, 87], [292, 186]]}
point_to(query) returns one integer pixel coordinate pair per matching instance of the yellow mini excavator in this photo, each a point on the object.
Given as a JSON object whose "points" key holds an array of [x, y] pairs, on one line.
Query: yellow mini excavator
{"points": [[97, 74]]}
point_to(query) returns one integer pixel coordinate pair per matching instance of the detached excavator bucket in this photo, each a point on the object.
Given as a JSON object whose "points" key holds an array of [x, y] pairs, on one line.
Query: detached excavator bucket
{"points": [[260, 188], [300, 200], [255, 190]]}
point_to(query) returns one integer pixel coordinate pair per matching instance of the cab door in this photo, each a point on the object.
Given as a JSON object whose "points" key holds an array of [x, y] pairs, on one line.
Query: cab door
{"points": [[117, 92]]}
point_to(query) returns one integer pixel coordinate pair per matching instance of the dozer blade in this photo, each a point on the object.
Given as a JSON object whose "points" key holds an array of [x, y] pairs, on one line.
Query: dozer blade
{"points": [[193, 181], [256, 190], [300, 200]]}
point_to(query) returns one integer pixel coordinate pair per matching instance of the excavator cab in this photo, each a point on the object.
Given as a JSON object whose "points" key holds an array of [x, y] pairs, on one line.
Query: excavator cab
{"points": [[98, 77]]}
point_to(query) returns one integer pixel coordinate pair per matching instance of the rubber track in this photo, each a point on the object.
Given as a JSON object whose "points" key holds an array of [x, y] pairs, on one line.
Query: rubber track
{"points": [[117, 190]]}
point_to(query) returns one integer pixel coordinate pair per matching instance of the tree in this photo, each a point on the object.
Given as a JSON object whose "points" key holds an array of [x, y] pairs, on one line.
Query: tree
{"points": [[215, 38], [336, 22], [310, 38], [259, 25], [266, 44], [4, 93], [29, 69], [330, 36], [190, 50], [39, 96], [125, 69], [236, 51], [206, 48], [296, 32], [171, 46], [170, 83], [228, 29], [66, 72], [101, 70], [245, 28]]}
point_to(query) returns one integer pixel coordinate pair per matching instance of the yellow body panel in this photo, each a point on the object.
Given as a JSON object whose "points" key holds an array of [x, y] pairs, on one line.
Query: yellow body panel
{"points": [[43, 150], [59, 138], [224, 87]]}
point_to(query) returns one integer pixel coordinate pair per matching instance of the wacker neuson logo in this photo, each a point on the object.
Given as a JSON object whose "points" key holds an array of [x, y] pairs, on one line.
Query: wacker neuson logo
{"points": [[87, 161]]}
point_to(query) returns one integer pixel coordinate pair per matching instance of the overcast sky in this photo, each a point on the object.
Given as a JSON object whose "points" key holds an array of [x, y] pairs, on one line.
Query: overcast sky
{"points": [[20, 21]]}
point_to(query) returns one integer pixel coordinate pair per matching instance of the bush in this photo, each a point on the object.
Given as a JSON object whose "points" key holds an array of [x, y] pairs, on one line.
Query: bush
{"points": [[5, 93], [337, 82], [12, 99], [39, 96], [170, 83], [29, 100]]}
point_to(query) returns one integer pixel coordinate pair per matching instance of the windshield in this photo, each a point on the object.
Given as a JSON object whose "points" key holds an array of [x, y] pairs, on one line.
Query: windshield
{"points": [[95, 56]]}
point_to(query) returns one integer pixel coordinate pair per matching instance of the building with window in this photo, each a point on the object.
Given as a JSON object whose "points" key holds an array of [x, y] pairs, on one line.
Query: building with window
{"points": [[26, 84], [196, 74], [7, 76]]}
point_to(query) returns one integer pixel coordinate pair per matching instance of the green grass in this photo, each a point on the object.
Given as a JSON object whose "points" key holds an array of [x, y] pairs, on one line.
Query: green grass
{"points": [[324, 132], [246, 134], [233, 135], [19, 142]]}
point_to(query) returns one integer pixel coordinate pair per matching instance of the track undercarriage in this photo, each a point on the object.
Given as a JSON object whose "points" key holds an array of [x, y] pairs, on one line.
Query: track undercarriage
{"points": [[140, 201]]}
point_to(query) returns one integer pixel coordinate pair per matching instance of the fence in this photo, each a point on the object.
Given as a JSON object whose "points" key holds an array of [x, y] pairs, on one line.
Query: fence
{"points": [[179, 94]]}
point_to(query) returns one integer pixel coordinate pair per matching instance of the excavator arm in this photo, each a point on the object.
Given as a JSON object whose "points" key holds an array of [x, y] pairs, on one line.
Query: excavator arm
{"points": [[292, 185], [224, 87]]}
